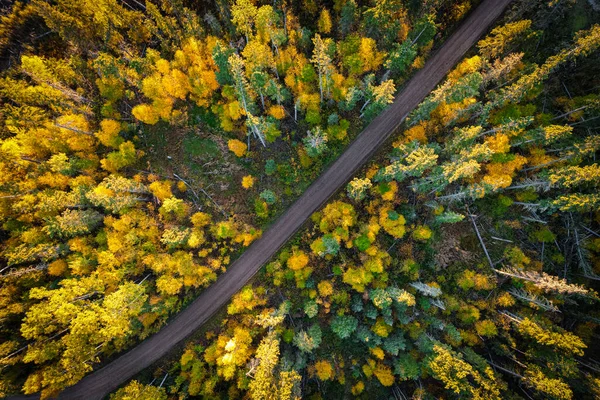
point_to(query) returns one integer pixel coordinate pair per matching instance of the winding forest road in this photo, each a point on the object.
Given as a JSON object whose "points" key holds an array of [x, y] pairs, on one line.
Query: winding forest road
{"points": [[101, 382]]}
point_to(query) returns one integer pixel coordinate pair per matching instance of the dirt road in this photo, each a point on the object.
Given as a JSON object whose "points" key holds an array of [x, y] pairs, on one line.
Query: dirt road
{"points": [[101, 382]]}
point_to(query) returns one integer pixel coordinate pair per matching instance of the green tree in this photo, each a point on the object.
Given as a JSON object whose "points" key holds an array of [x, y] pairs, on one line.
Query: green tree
{"points": [[308, 340], [344, 325]]}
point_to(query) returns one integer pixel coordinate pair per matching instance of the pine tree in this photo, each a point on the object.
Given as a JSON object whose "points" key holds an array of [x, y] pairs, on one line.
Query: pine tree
{"points": [[344, 326]]}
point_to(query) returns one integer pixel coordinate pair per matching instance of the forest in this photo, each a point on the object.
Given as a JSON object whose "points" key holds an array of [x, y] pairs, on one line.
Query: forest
{"points": [[146, 144]]}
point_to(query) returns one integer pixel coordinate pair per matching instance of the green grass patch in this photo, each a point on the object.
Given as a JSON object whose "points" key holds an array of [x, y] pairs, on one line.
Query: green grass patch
{"points": [[194, 146]]}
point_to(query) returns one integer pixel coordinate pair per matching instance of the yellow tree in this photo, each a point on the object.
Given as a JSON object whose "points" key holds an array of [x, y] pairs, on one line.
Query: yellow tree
{"points": [[243, 16], [135, 391], [230, 352], [108, 134], [551, 387], [298, 262], [379, 98], [461, 377], [71, 329], [243, 92], [567, 342], [87, 25], [370, 58], [163, 87], [324, 22], [501, 37], [264, 384], [323, 63], [195, 59], [267, 27], [585, 42], [324, 370], [52, 75], [258, 59]]}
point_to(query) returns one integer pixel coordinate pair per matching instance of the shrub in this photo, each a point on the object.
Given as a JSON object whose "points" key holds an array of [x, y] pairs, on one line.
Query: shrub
{"points": [[237, 147], [268, 196], [247, 181]]}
